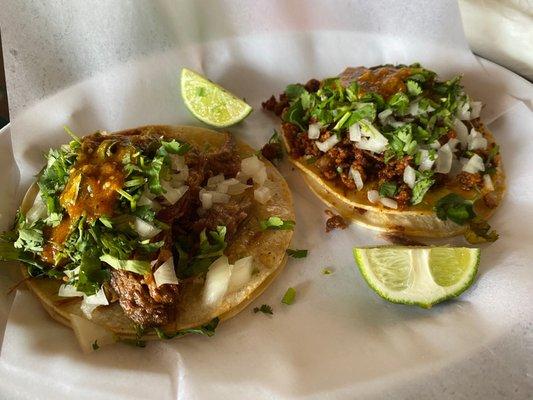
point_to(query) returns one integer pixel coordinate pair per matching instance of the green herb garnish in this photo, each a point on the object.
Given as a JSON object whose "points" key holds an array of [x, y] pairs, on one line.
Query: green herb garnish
{"points": [[289, 296], [276, 223], [297, 253], [265, 309]]}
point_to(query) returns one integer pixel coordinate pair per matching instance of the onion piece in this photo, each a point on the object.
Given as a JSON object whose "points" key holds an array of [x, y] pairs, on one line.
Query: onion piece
{"points": [[435, 145], [373, 196], [474, 165], [145, 201], [217, 281], [66, 290], [90, 303], [384, 116], [178, 164], [461, 130], [213, 182], [90, 335], [487, 183], [262, 194], [357, 178], [387, 202], [241, 273], [206, 198], [444, 159], [409, 176], [37, 211], [238, 188], [425, 160], [260, 176], [452, 143], [372, 139], [165, 274], [144, 229], [172, 195], [414, 110], [250, 165], [220, 197], [355, 132], [327, 144], [476, 141], [463, 112], [475, 109], [314, 131]]}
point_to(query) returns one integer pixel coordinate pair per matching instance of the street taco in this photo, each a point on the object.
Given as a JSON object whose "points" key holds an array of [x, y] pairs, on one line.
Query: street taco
{"points": [[159, 229], [395, 149]]}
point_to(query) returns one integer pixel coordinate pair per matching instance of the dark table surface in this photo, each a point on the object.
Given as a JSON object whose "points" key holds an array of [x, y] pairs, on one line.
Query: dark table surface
{"points": [[4, 113]]}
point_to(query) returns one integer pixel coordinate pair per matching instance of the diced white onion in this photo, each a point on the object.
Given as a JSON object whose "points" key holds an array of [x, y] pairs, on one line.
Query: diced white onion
{"points": [[475, 109], [260, 176], [435, 145], [213, 182], [372, 139], [90, 303], [172, 195], [463, 112], [414, 110], [355, 132], [262, 194], [409, 176], [217, 281], [241, 274], [425, 160], [90, 334], [474, 165], [373, 196], [357, 178], [487, 182], [72, 273], [166, 274], [223, 186], [396, 124], [206, 198], [314, 131], [452, 143], [461, 130], [238, 188], [444, 159], [327, 144], [250, 165], [145, 201], [220, 197], [37, 211], [384, 115], [66, 290], [144, 229], [390, 203], [476, 141]]}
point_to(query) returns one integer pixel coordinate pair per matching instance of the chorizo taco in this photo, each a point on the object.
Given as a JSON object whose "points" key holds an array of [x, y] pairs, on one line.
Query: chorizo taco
{"points": [[159, 229], [395, 149]]}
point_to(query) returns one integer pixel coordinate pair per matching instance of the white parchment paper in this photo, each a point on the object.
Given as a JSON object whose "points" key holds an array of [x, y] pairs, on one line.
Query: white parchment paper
{"points": [[116, 65]]}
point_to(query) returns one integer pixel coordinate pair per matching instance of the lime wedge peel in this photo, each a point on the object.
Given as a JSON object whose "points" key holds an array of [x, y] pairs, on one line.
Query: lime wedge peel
{"points": [[419, 276], [211, 103]]}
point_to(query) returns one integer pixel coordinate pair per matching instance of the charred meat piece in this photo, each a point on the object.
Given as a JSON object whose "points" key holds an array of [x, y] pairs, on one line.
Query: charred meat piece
{"points": [[136, 299], [225, 161], [230, 215], [334, 221]]}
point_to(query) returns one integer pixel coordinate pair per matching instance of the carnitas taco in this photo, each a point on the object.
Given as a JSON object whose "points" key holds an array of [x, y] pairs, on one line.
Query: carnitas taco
{"points": [[159, 229], [395, 149]]}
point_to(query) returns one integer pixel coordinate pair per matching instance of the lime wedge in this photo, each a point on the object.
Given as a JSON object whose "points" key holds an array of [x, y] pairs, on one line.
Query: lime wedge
{"points": [[211, 103], [414, 275]]}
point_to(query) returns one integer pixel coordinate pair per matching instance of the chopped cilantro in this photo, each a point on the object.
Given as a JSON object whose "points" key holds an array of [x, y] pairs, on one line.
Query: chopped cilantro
{"points": [[455, 208], [327, 271], [479, 231], [422, 185], [289, 296], [388, 189], [95, 345], [294, 91], [136, 266], [413, 88], [297, 253], [265, 309], [276, 223], [206, 330]]}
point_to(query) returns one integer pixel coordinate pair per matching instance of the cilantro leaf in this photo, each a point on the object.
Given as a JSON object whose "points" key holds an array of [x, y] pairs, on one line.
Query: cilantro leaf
{"points": [[175, 147], [479, 231], [30, 237], [295, 114], [91, 276], [136, 266], [265, 309], [206, 330], [276, 223], [455, 208], [421, 187], [294, 91], [297, 253], [399, 102], [388, 189], [289, 296], [211, 247], [413, 88]]}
